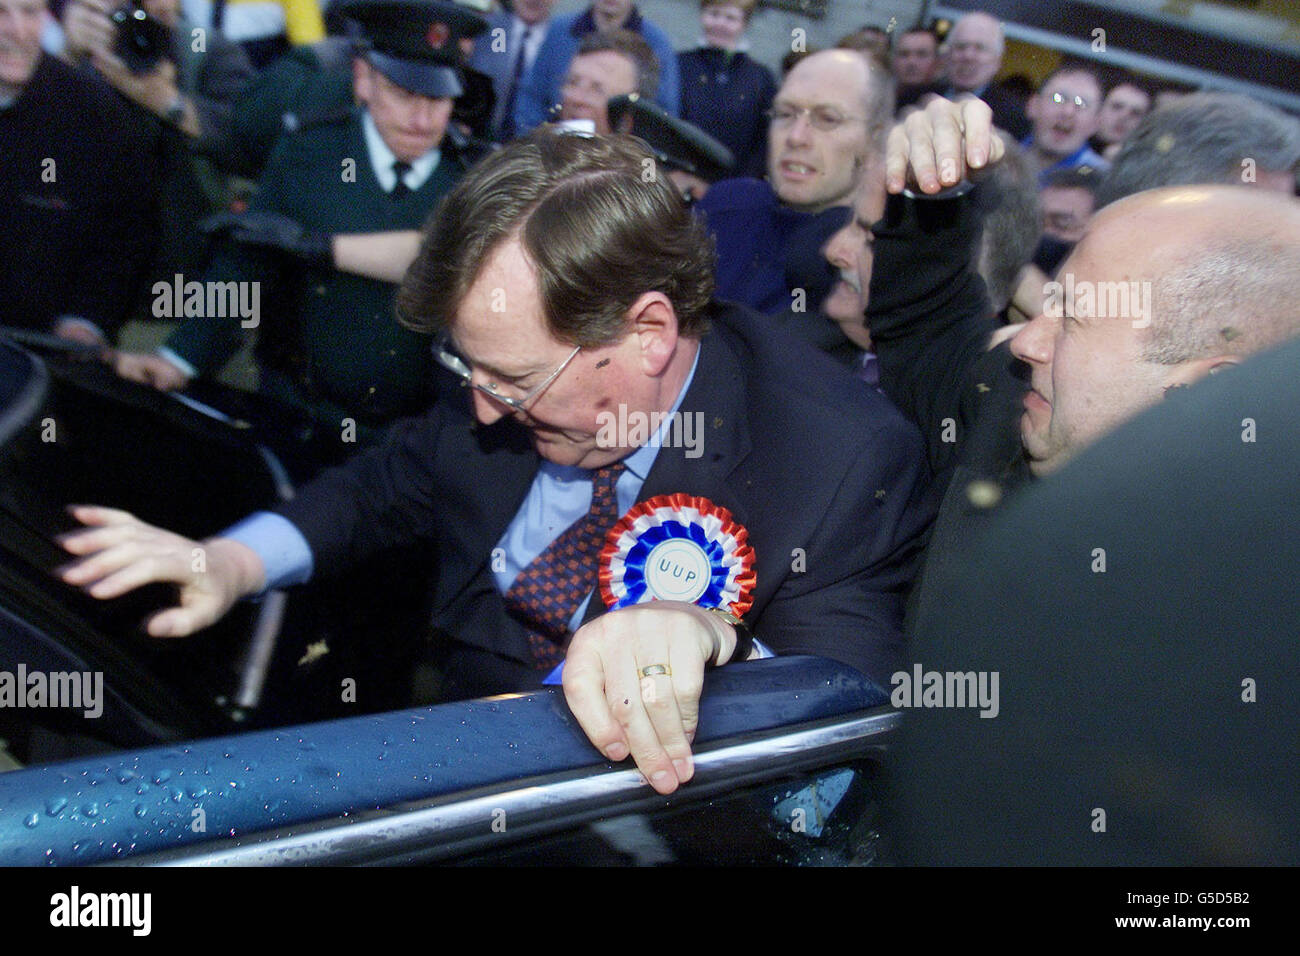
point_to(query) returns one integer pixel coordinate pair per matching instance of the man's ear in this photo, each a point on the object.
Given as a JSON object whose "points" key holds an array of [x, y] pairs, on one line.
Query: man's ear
{"points": [[1031, 107], [654, 330], [361, 80], [1196, 369]]}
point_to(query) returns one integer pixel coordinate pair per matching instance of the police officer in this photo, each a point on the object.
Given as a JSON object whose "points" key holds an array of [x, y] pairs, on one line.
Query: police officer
{"points": [[329, 344], [315, 80]]}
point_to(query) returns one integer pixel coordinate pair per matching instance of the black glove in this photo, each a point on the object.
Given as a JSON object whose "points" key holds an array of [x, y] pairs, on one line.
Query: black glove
{"points": [[270, 230]]}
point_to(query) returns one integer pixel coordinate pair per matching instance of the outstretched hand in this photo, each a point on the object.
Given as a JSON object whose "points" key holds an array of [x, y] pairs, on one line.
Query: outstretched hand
{"points": [[120, 553]]}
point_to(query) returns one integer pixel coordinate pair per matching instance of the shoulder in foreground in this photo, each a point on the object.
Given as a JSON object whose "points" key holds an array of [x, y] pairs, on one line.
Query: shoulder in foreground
{"points": [[740, 193], [788, 378]]}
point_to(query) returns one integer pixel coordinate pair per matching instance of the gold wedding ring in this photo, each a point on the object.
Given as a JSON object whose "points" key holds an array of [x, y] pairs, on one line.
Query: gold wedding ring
{"points": [[654, 670]]}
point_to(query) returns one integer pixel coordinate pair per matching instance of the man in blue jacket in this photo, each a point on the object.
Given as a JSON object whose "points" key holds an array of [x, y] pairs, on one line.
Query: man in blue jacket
{"points": [[541, 86]]}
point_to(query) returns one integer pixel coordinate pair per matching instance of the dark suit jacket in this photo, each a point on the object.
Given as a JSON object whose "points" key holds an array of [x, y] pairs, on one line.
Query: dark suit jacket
{"points": [[827, 477], [78, 200], [727, 95], [930, 322], [1124, 688], [766, 250], [497, 65]]}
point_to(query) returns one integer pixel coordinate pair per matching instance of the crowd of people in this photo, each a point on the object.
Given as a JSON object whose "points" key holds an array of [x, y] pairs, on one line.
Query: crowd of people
{"points": [[900, 291]]}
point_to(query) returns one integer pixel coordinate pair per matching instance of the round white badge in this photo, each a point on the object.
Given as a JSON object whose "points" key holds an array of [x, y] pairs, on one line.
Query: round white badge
{"points": [[677, 570]]}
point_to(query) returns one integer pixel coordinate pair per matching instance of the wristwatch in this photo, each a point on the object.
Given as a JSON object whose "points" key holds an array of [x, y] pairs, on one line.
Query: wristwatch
{"points": [[744, 637]]}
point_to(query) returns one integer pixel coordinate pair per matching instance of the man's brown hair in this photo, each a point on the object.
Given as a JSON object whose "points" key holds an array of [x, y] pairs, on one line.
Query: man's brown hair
{"points": [[600, 223], [632, 46]]}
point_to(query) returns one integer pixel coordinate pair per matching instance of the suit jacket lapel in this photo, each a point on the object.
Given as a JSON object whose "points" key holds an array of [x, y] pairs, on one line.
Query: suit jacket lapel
{"points": [[715, 403]]}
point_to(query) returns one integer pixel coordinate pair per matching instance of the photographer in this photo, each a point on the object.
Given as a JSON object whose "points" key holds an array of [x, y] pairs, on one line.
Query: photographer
{"points": [[186, 78], [77, 190], [186, 75]]}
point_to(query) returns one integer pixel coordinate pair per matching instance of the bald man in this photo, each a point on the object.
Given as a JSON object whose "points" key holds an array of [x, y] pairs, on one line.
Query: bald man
{"points": [[973, 56], [1126, 323], [829, 117], [1216, 288]]}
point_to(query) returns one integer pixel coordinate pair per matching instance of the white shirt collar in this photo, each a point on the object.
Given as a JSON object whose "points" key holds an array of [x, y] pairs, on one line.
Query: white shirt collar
{"points": [[534, 39], [382, 159]]}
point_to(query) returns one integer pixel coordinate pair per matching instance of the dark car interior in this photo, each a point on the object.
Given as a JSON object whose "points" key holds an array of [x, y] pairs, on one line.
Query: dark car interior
{"points": [[75, 433]]}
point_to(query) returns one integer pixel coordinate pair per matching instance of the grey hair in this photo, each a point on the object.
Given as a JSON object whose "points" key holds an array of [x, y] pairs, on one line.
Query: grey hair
{"points": [[1202, 138], [1013, 225], [1233, 296]]}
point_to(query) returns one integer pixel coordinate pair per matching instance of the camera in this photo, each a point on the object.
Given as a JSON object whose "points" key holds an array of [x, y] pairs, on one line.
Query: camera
{"points": [[142, 41]]}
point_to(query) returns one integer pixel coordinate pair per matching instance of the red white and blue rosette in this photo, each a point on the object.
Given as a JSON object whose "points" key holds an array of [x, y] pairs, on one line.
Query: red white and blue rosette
{"points": [[678, 548]]}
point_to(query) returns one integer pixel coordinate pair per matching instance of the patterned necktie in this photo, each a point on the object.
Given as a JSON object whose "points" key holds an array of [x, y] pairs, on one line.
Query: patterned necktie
{"points": [[400, 189], [508, 112], [546, 594]]}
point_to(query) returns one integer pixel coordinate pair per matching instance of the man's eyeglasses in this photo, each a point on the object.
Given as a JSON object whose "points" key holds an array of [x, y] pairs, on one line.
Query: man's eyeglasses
{"points": [[822, 118], [448, 359], [1078, 102]]}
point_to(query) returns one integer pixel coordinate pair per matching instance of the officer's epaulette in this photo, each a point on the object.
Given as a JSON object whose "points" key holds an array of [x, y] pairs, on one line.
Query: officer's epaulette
{"points": [[294, 122]]}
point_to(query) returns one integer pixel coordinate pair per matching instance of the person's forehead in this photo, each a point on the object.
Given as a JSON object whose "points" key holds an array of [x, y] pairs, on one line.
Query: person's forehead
{"points": [[979, 33], [1128, 96], [500, 319], [1115, 250], [825, 82], [601, 63], [1072, 83], [916, 42], [1063, 194]]}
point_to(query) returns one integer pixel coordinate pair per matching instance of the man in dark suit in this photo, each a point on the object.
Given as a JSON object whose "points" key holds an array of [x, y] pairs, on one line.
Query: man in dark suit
{"points": [[828, 120], [506, 53], [973, 54], [78, 193], [570, 345]]}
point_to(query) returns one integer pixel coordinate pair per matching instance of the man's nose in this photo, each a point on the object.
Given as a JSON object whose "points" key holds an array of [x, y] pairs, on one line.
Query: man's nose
{"points": [[485, 409], [421, 115], [800, 129], [839, 251], [1034, 342]]}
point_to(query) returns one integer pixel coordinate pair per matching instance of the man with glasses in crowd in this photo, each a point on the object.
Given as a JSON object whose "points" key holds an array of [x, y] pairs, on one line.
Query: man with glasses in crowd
{"points": [[828, 118], [563, 288], [1065, 112]]}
